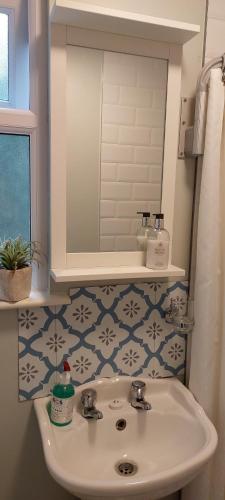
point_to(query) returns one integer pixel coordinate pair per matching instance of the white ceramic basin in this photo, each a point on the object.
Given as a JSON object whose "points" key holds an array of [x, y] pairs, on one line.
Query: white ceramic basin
{"points": [[168, 444]]}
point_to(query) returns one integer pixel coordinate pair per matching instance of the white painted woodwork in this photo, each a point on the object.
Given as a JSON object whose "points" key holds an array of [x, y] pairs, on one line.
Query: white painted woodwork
{"points": [[39, 155], [95, 17], [171, 139], [58, 178], [13, 119], [61, 36], [34, 123], [114, 273], [38, 299], [108, 259]]}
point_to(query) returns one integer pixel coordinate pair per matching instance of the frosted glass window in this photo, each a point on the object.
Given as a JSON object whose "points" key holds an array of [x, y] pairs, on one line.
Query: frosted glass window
{"points": [[4, 57], [14, 186]]}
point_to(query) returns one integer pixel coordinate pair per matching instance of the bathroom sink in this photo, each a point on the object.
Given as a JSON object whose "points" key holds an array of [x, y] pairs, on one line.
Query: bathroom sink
{"points": [[129, 453]]}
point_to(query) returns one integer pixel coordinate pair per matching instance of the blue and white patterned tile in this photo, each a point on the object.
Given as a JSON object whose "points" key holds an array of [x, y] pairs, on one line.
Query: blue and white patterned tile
{"points": [[107, 294], [173, 352], [54, 343], [82, 313], [107, 330], [34, 374], [84, 364], [131, 309], [153, 331], [181, 374], [107, 336], [107, 371], [31, 321], [178, 292], [155, 369], [130, 358], [155, 291], [46, 390]]}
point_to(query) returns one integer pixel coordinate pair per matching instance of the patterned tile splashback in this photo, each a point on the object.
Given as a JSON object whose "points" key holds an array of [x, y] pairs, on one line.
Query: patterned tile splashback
{"points": [[107, 330]]}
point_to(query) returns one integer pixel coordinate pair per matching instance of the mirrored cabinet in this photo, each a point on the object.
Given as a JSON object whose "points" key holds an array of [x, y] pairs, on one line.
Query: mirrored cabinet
{"points": [[115, 98]]}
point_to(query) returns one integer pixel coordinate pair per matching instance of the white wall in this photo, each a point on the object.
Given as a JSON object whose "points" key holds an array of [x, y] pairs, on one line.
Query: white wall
{"points": [[23, 471]]}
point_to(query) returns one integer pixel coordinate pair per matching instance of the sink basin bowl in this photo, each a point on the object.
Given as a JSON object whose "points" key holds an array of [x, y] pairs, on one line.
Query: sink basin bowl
{"points": [[130, 453]]}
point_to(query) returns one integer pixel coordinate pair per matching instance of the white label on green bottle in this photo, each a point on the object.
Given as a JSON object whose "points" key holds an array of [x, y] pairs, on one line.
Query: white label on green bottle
{"points": [[61, 410]]}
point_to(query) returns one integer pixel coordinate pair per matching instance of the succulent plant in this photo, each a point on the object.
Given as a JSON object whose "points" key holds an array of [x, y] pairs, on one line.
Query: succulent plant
{"points": [[18, 253]]}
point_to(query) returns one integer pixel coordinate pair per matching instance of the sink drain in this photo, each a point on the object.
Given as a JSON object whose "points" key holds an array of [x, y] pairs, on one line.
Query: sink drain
{"points": [[121, 424], [126, 468]]}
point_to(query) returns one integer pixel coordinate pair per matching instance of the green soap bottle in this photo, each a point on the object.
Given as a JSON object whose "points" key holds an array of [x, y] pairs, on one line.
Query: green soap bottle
{"points": [[62, 399]]}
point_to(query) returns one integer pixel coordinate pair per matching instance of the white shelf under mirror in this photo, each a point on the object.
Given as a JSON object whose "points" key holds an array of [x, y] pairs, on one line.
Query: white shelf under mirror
{"points": [[96, 17], [114, 273]]}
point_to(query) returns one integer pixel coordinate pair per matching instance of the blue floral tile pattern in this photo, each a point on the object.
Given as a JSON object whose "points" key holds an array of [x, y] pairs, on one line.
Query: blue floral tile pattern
{"points": [[106, 330], [83, 363], [82, 313], [107, 337], [155, 369], [32, 320], [153, 331], [173, 352], [131, 358]]}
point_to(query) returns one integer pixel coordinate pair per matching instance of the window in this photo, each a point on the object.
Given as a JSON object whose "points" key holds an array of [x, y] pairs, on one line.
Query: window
{"points": [[14, 54], [23, 127], [4, 59], [15, 186]]}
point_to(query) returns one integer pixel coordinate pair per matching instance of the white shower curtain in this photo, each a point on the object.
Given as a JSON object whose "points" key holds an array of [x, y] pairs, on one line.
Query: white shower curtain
{"points": [[207, 371]]}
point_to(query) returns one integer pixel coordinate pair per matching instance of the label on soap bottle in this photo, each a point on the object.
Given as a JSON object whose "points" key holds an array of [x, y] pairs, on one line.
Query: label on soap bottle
{"points": [[157, 254], [61, 410]]}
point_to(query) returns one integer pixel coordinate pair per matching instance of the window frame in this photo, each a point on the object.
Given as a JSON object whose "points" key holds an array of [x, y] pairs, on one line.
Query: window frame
{"points": [[33, 122], [10, 12]]}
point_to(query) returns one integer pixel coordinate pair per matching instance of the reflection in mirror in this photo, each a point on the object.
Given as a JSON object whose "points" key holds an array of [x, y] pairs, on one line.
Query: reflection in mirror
{"points": [[115, 134]]}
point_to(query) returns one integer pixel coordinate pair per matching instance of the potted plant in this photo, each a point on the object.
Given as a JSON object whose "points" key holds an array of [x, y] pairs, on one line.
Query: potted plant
{"points": [[16, 257]]}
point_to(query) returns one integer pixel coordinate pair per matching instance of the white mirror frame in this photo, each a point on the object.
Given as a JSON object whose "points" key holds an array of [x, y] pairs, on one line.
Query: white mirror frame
{"points": [[61, 36]]}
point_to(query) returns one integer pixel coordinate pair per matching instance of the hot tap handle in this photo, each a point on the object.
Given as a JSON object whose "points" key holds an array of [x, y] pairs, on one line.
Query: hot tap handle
{"points": [[138, 386], [88, 398]]}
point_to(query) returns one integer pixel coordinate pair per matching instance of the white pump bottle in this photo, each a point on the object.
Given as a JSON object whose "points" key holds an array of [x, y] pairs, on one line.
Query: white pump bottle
{"points": [[158, 245]]}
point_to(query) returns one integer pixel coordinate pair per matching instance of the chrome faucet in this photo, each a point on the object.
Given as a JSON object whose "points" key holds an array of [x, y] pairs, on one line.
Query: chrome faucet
{"points": [[88, 410], [137, 396]]}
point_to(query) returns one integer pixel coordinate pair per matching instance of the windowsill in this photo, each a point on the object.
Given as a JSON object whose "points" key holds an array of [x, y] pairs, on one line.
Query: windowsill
{"points": [[38, 299]]}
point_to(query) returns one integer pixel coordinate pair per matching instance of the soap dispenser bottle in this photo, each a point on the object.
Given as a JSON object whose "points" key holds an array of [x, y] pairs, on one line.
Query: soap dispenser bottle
{"points": [[62, 399], [158, 245], [143, 231]]}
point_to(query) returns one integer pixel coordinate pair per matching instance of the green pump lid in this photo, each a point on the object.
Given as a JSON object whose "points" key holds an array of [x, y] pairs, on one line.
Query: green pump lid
{"points": [[63, 391]]}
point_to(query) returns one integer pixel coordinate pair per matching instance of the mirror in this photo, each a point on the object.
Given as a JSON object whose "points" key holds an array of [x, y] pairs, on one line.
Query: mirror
{"points": [[115, 120]]}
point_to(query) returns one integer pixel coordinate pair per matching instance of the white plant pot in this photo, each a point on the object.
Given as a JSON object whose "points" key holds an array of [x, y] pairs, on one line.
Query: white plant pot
{"points": [[15, 285]]}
